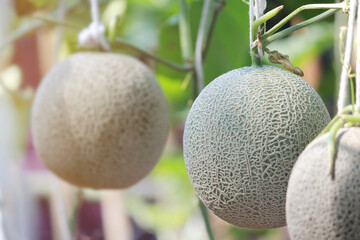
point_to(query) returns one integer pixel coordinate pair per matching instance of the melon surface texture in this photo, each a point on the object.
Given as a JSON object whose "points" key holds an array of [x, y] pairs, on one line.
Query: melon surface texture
{"points": [[319, 207], [242, 137], [100, 120]]}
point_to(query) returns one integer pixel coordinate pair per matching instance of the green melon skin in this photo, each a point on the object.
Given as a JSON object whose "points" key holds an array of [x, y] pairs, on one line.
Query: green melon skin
{"points": [[100, 120], [242, 137], [318, 207]]}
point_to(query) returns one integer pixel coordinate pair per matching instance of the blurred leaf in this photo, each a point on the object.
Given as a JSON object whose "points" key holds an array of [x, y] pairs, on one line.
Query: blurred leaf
{"points": [[40, 3], [112, 9], [143, 20], [175, 96], [26, 7], [12, 77], [172, 166], [175, 201], [159, 216], [169, 46]]}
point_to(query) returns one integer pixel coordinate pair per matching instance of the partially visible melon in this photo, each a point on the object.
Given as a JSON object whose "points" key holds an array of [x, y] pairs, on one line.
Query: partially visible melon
{"points": [[100, 120], [318, 207], [242, 136]]}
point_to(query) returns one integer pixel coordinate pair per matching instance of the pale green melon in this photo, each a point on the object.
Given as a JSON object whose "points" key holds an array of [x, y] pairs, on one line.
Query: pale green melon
{"points": [[100, 120], [242, 136], [317, 206]]}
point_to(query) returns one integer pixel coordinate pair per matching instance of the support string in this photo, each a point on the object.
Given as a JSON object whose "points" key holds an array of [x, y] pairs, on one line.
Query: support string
{"points": [[94, 35]]}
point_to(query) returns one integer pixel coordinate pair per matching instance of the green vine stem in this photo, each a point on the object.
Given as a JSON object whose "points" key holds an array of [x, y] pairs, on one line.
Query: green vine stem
{"points": [[202, 47], [185, 33], [348, 117], [73, 222], [255, 58], [120, 43], [269, 36], [219, 6], [200, 44], [351, 118], [186, 44], [357, 47], [116, 43], [346, 110], [303, 24], [205, 216], [205, 33], [263, 19], [256, 62], [352, 90], [332, 146], [298, 10], [244, 1]]}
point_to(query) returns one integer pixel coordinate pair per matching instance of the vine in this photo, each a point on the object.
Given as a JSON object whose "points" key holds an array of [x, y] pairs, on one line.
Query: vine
{"points": [[348, 116]]}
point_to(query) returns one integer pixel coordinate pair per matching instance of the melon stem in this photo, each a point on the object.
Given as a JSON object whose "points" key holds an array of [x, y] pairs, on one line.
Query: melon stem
{"points": [[255, 59], [206, 220]]}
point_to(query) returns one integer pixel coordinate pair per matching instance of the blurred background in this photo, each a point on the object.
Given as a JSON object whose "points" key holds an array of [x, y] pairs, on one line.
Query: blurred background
{"points": [[34, 204]]}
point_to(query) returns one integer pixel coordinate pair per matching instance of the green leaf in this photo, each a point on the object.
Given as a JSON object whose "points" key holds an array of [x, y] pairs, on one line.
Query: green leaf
{"points": [[169, 47], [113, 9], [175, 95]]}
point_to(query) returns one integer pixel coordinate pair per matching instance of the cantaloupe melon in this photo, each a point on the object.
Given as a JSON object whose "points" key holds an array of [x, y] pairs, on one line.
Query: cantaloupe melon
{"points": [[100, 120], [317, 206], [242, 136]]}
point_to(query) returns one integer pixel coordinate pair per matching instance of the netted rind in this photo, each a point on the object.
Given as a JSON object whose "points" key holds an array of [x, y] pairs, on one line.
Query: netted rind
{"points": [[100, 120], [318, 207], [242, 137]]}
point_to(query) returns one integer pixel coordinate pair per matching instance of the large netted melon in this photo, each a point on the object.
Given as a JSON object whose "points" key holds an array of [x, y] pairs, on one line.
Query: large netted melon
{"points": [[319, 207], [242, 136], [100, 120]]}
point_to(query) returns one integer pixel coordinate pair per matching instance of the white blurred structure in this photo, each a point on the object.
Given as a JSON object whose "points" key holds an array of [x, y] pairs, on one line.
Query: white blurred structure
{"points": [[16, 206], [17, 210]]}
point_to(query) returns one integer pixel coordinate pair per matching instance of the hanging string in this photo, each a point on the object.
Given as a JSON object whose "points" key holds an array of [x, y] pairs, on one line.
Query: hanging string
{"points": [[251, 21], [256, 10], [344, 79], [259, 8], [94, 35]]}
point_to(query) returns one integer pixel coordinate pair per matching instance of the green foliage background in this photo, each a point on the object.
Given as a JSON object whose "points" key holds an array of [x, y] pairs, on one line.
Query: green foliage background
{"points": [[153, 25]]}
